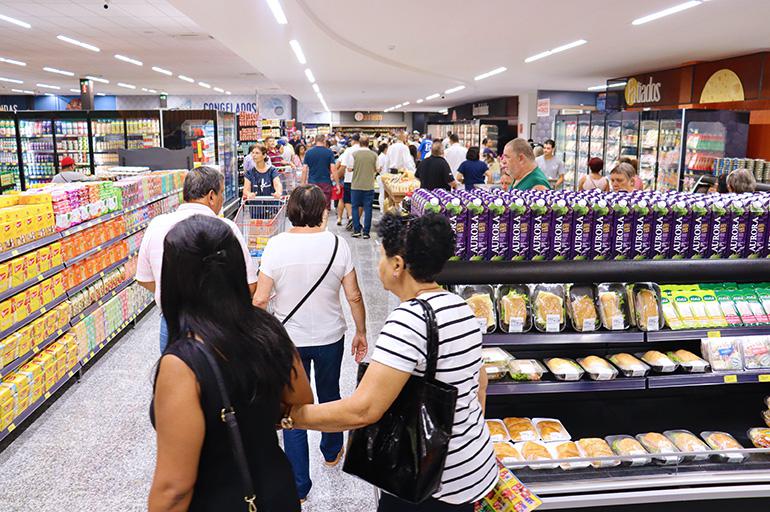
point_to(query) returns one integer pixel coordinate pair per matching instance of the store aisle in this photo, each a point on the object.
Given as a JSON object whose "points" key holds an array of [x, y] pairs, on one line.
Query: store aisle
{"points": [[94, 448]]}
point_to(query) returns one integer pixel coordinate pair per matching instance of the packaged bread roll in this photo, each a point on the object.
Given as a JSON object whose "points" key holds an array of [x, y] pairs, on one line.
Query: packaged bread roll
{"points": [[597, 447], [551, 429], [521, 429]]}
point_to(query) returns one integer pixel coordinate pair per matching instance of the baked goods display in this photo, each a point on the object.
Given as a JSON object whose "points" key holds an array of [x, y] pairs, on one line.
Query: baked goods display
{"points": [[611, 312], [526, 370], [628, 446], [567, 450], [647, 308], [548, 304], [657, 443], [760, 437], [658, 361], [551, 429], [629, 365], [482, 307], [724, 441], [596, 447], [521, 429], [535, 451], [597, 368], [686, 441], [507, 453], [564, 369], [495, 362], [688, 361], [497, 431], [582, 308], [514, 309]]}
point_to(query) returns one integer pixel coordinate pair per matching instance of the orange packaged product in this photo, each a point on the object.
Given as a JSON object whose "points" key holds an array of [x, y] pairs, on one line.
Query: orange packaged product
{"points": [[18, 272], [44, 259], [56, 256], [5, 276]]}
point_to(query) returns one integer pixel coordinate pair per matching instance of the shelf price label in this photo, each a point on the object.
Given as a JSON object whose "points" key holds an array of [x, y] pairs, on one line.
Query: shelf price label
{"points": [[763, 378], [11, 428], [730, 379], [47, 395], [715, 334]]}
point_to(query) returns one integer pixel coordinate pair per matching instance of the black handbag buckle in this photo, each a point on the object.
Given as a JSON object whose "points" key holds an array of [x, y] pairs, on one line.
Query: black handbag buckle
{"points": [[225, 412]]}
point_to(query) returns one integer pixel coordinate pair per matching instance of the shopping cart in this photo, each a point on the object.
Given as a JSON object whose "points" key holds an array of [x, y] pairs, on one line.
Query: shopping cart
{"points": [[289, 177], [258, 220]]}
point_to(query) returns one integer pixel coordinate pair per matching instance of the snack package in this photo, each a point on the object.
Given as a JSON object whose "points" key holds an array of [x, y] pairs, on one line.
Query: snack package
{"points": [[480, 298], [760, 315], [582, 232], [760, 437], [658, 361], [564, 369], [688, 361], [740, 298], [728, 308], [597, 368], [682, 230], [540, 248], [713, 311], [670, 314], [548, 307], [629, 365], [513, 308], [508, 455], [656, 443], [497, 431], [641, 242], [647, 307], [566, 450], [526, 370], [521, 229], [756, 242], [684, 311], [766, 417], [724, 441], [626, 446], [533, 451], [551, 429], [521, 429], [499, 229], [718, 245], [661, 230], [686, 441], [613, 308], [495, 362], [723, 354], [597, 447], [601, 243], [701, 230], [756, 352], [582, 308]]}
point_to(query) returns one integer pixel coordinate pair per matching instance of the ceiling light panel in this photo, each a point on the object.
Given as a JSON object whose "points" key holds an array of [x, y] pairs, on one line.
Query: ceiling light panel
{"points": [[316, 88], [59, 71], [186, 79], [454, 89], [432, 96], [16, 22], [420, 100], [78, 43], [219, 89], [558, 49], [11, 80], [97, 79], [161, 70], [278, 13], [129, 60], [126, 86], [75, 90], [11, 61], [298, 51], [666, 12], [309, 75], [46, 86], [204, 84], [494, 72]]}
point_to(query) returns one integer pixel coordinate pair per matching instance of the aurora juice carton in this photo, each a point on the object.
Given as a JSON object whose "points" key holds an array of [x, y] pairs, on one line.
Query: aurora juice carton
{"points": [[701, 230], [520, 218], [601, 241], [499, 229], [455, 212], [582, 228], [641, 229], [540, 246], [661, 230], [622, 229], [719, 225], [478, 227], [562, 220], [738, 228], [681, 230], [756, 243]]}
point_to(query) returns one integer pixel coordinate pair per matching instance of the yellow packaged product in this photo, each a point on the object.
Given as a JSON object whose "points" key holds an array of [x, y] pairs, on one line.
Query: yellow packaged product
{"points": [[31, 267], [56, 255], [5, 276], [44, 259], [33, 292], [9, 200], [35, 373], [59, 355], [50, 367], [6, 314], [19, 383], [6, 228], [20, 305], [47, 291], [58, 285], [8, 349], [18, 273], [7, 402], [25, 340]]}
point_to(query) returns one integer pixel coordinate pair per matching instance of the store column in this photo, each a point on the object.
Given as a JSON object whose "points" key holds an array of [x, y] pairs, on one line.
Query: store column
{"points": [[86, 94], [527, 114]]}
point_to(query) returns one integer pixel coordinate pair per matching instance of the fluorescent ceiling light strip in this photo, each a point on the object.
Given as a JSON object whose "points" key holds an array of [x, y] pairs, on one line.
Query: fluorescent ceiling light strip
{"points": [[597, 88], [14, 62], [129, 60], [420, 100], [161, 70], [75, 90], [666, 12], [298, 51], [558, 49], [432, 97], [59, 71], [186, 79], [49, 94], [309, 75], [280, 16], [219, 89], [11, 80], [619, 84], [152, 91], [15, 21], [126, 86], [228, 93], [405, 104], [100, 94], [46, 86], [204, 84], [316, 88], [454, 89], [494, 72], [97, 79], [77, 43], [144, 89]]}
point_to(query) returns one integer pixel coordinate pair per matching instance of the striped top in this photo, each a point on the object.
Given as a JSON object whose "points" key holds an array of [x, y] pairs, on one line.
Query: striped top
{"points": [[470, 471]]}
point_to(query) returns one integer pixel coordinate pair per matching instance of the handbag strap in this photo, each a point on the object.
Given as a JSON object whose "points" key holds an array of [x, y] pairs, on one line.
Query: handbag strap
{"points": [[432, 335], [227, 416], [317, 284]]}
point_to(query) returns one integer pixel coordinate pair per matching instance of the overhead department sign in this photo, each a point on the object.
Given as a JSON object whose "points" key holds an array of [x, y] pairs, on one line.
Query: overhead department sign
{"points": [[637, 92]]}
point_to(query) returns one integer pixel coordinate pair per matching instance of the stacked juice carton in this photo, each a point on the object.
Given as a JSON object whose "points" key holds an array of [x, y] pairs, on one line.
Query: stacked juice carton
{"points": [[25, 218], [548, 225]]}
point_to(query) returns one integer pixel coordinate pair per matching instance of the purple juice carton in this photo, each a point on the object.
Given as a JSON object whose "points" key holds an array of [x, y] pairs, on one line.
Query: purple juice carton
{"points": [[562, 217], [499, 229], [420, 198], [582, 229], [756, 246], [520, 218], [454, 210], [601, 242], [738, 228], [641, 230], [478, 228], [622, 229], [720, 218], [701, 230], [681, 230], [661, 230], [540, 247]]}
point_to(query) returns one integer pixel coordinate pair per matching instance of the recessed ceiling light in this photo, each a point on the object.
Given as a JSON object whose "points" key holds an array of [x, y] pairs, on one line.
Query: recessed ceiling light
{"points": [[432, 96], [126, 86], [280, 16], [204, 84], [405, 103], [316, 88], [228, 93], [666, 12], [100, 94], [129, 60], [14, 62], [494, 72], [152, 91], [298, 51], [309, 75], [219, 89], [97, 79], [161, 70], [144, 89], [597, 88], [454, 89], [420, 100], [186, 79], [15, 21], [46, 86], [59, 71], [77, 43], [75, 90], [11, 80], [558, 49]]}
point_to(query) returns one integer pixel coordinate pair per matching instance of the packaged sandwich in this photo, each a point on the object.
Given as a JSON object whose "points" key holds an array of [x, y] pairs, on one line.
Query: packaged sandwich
{"points": [[629, 366], [534, 451], [497, 431], [656, 443], [507, 454], [521, 429], [513, 308], [526, 369], [760, 437], [627, 446], [582, 308], [613, 307], [480, 298], [597, 368], [670, 314], [756, 352], [723, 354], [566, 450], [597, 447], [724, 441], [766, 417], [495, 362], [658, 361], [686, 441], [647, 308], [548, 306], [550, 429], [564, 369], [688, 361]]}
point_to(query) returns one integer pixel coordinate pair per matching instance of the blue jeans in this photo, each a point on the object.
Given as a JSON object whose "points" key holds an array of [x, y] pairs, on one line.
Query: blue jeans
{"points": [[327, 360], [362, 198], [163, 334]]}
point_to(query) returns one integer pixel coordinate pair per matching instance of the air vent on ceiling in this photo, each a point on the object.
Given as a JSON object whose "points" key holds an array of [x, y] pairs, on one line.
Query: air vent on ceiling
{"points": [[192, 36]]}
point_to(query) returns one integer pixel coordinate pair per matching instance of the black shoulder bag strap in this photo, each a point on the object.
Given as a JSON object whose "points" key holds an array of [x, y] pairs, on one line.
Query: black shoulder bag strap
{"points": [[320, 279], [236, 441], [432, 334]]}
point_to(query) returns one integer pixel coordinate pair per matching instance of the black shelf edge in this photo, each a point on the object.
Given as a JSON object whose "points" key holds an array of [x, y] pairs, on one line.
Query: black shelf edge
{"points": [[708, 379], [23, 286], [589, 272], [34, 316], [93, 251], [697, 334], [16, 363], [103, 300], [31, 246], [562, 338], [583, 385], [91, 280]]}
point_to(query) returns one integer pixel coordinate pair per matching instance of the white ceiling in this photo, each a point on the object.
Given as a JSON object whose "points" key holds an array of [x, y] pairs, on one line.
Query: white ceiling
{"points": [[371, 55]]}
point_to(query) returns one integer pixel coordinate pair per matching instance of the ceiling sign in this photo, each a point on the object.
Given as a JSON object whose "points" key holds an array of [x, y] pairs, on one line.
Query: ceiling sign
{"points": [[724, 85], [360, 116], [481, 109], [544, 107], [637, 92]]}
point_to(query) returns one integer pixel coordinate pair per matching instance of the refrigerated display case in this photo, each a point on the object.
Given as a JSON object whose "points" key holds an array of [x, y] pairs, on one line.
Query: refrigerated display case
{"points": [[669, 151], [107, 137], [614, 132], [598, 122], [72, 140], [490, 132], [143, 132], [10, 175], [648, 149], [37, 147], [469, 132], [584, 144], [629, 142], [566, 147], [226, 153]]}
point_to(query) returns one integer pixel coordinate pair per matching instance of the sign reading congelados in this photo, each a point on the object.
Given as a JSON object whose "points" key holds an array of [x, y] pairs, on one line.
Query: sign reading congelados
{"points": [[642, 93]]}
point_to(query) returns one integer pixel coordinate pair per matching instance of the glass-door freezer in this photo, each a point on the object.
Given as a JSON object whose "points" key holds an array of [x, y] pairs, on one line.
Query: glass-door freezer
{"points": [[72, 141], [10, 176], [613, 136], [630, 134], [669, 151], [584, 145], [37, 148], [598, 129], [107, 137], [566, 147], [648, 149]]}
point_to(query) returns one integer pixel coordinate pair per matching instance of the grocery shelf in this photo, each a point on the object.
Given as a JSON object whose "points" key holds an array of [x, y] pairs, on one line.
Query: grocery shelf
{"points": [[137, 228], [34, 316], [708, 379], [90, 223], [95, 250], [13, 365], [37, 279], [697, 334], [88, 282], [31, 246], [114, 334], [150, 201], [508, 387], [102, 301], [562, 338]]}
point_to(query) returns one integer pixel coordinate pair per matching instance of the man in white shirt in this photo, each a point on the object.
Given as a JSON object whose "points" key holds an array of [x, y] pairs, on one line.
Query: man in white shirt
{"points": [[346, 169], [551, 165], [455, 155], [399, 156], [203, 192]]}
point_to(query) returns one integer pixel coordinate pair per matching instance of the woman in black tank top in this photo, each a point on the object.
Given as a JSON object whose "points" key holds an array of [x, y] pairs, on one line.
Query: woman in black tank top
{"points": [[205, 300]]}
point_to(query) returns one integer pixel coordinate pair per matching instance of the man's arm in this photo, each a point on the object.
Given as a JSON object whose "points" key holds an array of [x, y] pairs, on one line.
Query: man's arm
{"points": [[303, 179]]}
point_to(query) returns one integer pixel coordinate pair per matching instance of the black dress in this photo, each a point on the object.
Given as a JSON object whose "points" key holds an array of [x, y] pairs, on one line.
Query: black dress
{"points": [[218, 485]]}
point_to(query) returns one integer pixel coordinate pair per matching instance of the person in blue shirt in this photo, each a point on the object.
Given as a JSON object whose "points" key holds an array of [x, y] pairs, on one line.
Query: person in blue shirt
{"points": [[263, 180], [424, 149], [473, 171], [319, 167]]}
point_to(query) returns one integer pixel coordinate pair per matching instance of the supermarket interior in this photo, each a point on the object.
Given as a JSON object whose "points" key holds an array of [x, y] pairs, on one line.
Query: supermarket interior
{"points": [[610, 240]]}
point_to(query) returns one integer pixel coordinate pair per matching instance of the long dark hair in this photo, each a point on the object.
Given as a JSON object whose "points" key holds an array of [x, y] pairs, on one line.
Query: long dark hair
{"points": [[204, 293]]}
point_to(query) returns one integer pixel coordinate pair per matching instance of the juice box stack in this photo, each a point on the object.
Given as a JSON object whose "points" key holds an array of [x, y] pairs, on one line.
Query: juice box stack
{"points": [[25, 218], [90, 238], [89, 267], [22, 341], [21, 305], [533, 225], [75, 203]]}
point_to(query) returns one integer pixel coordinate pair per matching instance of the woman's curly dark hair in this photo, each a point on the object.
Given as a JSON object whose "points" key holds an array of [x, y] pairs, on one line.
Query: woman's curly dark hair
{"points": [[425, 243]]}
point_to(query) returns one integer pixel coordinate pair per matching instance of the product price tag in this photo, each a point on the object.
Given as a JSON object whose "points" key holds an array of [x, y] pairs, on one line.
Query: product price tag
{"points": [[516, 325], [763, 378], [39, 277], [552, 323], [617, 323], [730, 379], [589, 325], [653, 323], [715, 334], [101, 346], [482, 324], [43, 310], [11, 428], [47, 396]]}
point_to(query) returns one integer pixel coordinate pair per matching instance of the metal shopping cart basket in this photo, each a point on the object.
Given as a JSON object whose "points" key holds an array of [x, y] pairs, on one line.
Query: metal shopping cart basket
{"points": [[289, 178], [258, 220]]}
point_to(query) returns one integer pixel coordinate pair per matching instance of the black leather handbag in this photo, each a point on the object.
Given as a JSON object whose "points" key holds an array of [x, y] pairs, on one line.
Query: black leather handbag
{"points": [[404, 453]]}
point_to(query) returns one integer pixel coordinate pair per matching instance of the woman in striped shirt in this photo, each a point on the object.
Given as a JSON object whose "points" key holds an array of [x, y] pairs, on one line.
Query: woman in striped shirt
{"points": [[412, 256]]}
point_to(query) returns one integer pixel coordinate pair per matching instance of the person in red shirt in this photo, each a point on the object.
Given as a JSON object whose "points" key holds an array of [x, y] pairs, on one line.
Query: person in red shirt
{"points": [[274, 152]]}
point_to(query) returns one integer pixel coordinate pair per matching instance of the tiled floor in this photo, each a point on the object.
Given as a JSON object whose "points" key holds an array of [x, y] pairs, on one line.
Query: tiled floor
{"points": [[93, 449]]}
